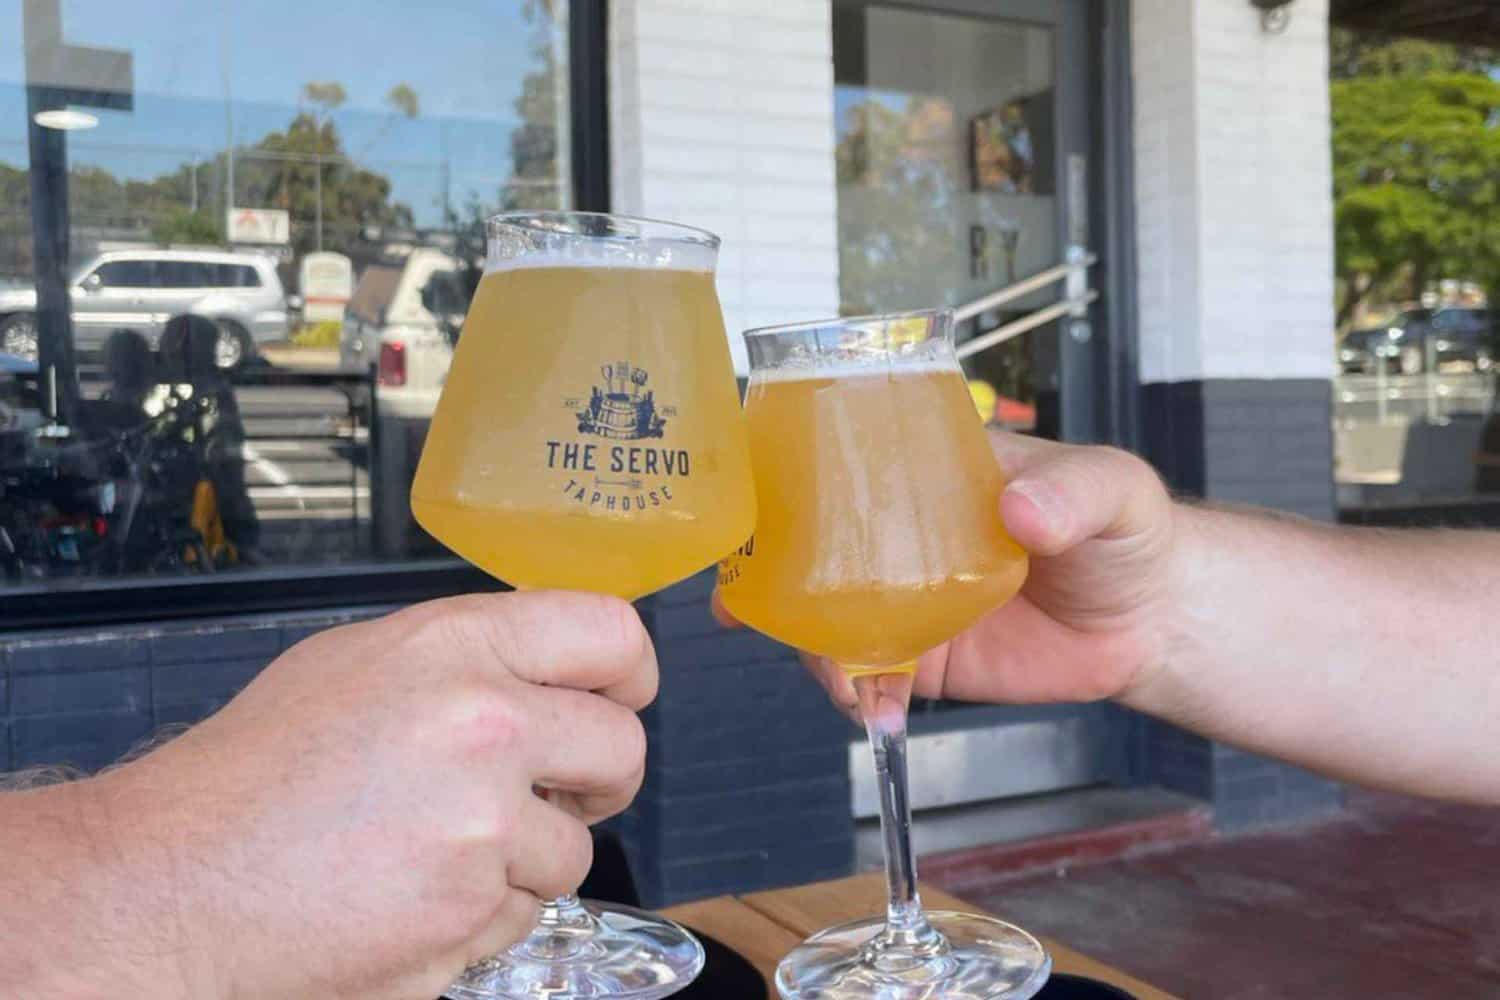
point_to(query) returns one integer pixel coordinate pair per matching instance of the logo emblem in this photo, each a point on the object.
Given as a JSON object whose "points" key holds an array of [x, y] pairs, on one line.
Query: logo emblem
{"points": [[623, 409]]}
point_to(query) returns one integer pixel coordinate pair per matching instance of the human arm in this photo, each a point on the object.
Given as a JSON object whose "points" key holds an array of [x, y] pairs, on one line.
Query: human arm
{"points": [[359, 821], [1364, 654]]}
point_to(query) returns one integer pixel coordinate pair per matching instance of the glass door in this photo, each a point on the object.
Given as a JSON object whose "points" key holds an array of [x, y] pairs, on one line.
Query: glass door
{"points": [[962, 160], [962, 157]]}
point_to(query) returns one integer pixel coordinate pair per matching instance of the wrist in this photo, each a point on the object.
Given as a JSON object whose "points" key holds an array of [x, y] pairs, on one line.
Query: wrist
{"points": [[1174, 623], [154, 897]]}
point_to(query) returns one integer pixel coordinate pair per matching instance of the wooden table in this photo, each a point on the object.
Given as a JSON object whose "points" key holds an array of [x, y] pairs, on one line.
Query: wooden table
{"points": [[764, 926]]}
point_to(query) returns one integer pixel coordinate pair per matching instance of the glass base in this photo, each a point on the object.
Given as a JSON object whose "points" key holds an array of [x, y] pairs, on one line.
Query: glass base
{"points": [[968, 958], [596, 950]]}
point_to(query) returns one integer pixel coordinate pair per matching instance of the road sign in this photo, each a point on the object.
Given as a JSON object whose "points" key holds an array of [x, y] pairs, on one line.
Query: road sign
{"points": [[258, 225], [326, 282]]}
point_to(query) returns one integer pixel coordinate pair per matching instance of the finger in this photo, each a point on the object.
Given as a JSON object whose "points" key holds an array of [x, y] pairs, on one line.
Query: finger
{"points": [[552, 852], [593, 749], [514, 919], [721, 614], [839, 686], [1075, 493], [1015, 451], [561, 639]]}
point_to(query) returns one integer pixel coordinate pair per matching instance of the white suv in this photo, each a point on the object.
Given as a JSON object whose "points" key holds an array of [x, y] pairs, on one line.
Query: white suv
{"points": [[141, 289], [402, 319]]}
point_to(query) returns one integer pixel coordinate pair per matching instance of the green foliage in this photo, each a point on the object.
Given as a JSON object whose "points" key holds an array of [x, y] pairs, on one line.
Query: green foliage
{"points": [[185, 226], [891, 164], [326, 94], [352, 196], [1416, 168], [1361, 53], [403, 100], [321, 335], [534, 141]]}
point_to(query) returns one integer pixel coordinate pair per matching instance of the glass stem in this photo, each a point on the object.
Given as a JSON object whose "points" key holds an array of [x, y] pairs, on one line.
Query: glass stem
{"points": [[562, 910], [883, 701]]}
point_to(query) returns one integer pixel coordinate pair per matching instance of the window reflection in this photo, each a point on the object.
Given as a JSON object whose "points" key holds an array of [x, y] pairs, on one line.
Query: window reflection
{"points": [[271, 243], [947, 176]]}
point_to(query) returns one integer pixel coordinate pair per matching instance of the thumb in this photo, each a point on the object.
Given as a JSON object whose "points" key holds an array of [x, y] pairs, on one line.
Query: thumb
{"points": [[1074, 493]]}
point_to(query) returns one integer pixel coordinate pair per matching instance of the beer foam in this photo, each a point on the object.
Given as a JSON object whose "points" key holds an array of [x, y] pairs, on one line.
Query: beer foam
{"points": [[800, 370], [648, 253]]}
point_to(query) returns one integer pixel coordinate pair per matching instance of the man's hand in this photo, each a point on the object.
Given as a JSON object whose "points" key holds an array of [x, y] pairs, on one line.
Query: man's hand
{"points": [[1090, 620], [361, 820]]}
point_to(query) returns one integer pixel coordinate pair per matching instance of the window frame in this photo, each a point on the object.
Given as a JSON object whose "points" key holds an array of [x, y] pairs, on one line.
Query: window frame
{"points": [[372, 584]]}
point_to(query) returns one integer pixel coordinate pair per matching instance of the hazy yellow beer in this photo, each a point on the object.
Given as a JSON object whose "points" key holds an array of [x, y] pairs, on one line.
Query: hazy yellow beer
{"points": [[879, 532], [589, 434]]}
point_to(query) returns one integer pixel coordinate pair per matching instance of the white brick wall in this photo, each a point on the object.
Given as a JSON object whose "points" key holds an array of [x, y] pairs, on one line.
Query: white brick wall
{"points": [[721, 116], [1233, 191]]}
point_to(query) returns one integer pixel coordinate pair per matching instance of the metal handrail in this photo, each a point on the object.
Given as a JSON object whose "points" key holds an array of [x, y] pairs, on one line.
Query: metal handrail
{"points": [[1078, 296], [1023, 287], [1030, 321]]}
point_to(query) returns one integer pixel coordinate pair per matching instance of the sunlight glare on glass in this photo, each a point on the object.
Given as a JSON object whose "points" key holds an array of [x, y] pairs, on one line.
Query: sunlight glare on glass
{"points": [[65, 119]]}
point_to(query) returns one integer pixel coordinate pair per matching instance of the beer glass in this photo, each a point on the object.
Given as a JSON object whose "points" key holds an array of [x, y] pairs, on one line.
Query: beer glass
{"points": [[589, 437], [879, 537]]}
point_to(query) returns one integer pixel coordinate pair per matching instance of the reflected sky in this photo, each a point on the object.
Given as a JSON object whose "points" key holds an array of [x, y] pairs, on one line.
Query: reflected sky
{"points": [[466, 59]]}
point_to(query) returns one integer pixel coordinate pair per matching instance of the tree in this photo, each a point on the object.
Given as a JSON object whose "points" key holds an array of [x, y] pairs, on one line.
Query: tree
{"points": [[289, 179], [1363, 53], [1416, 168], [186, 226], [403, 100], [328, 95], [535, 182], [897, 172]]}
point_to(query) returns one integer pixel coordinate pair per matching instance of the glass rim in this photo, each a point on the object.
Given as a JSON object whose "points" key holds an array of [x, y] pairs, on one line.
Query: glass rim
{"points": [[939, 313], [527, 221]]}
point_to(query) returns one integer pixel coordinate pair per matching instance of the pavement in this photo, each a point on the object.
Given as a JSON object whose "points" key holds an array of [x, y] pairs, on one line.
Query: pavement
{"points": [[1396, 898]]}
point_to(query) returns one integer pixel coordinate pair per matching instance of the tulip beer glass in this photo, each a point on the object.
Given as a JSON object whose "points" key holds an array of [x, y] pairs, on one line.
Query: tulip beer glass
{"points": [[589, 437], [878, 537]]}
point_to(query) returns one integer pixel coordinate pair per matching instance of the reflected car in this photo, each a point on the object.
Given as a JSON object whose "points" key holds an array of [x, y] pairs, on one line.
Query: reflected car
{"points": [[403, 320], [1452, 334], [20, 398], [143, 288]]}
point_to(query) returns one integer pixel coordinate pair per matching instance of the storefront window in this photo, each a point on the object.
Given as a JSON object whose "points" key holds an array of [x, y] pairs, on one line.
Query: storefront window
{"points": [[236, 245], [1415, 417], [947, 174]]}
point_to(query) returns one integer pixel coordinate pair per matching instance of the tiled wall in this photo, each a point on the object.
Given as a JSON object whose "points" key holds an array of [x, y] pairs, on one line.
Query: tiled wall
{"points": [[721, 116]]}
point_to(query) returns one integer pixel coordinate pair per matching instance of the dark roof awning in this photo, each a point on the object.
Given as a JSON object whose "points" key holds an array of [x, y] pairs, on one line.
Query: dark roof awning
{"points": [[1468, 22]]}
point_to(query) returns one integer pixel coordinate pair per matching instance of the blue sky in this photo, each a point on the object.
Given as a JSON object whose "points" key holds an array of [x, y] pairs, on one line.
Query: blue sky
{"points": [[465, 58]]}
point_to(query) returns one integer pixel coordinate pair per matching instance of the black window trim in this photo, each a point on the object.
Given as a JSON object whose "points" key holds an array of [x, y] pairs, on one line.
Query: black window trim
{"points": [[312, 587]]}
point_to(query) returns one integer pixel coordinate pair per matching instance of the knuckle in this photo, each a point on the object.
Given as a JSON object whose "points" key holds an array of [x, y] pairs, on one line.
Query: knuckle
{"points": [[490, 723], [633, 743], [626, 631]]}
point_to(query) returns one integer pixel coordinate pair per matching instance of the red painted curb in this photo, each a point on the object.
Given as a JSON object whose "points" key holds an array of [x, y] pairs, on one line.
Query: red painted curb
{"points": [[973, 869]]}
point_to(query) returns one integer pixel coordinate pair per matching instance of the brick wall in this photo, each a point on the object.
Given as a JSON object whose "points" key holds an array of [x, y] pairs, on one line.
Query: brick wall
{"points": [[85, 699], [747, 785], [1233, 183], [721, 116]]}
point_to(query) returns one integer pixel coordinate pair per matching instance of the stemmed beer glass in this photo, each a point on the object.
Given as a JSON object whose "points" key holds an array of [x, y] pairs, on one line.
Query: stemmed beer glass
{"points": [[589, 437], [878, 538]]}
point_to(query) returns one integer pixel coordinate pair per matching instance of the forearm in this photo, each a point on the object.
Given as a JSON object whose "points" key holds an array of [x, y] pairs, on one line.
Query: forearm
{"points": [[1368, 655], [85, 910]]}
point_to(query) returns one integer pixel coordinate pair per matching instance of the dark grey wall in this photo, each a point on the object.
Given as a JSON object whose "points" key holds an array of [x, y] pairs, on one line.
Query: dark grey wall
{"points": [[747, 785], [1266, 442], [85, 698]]}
